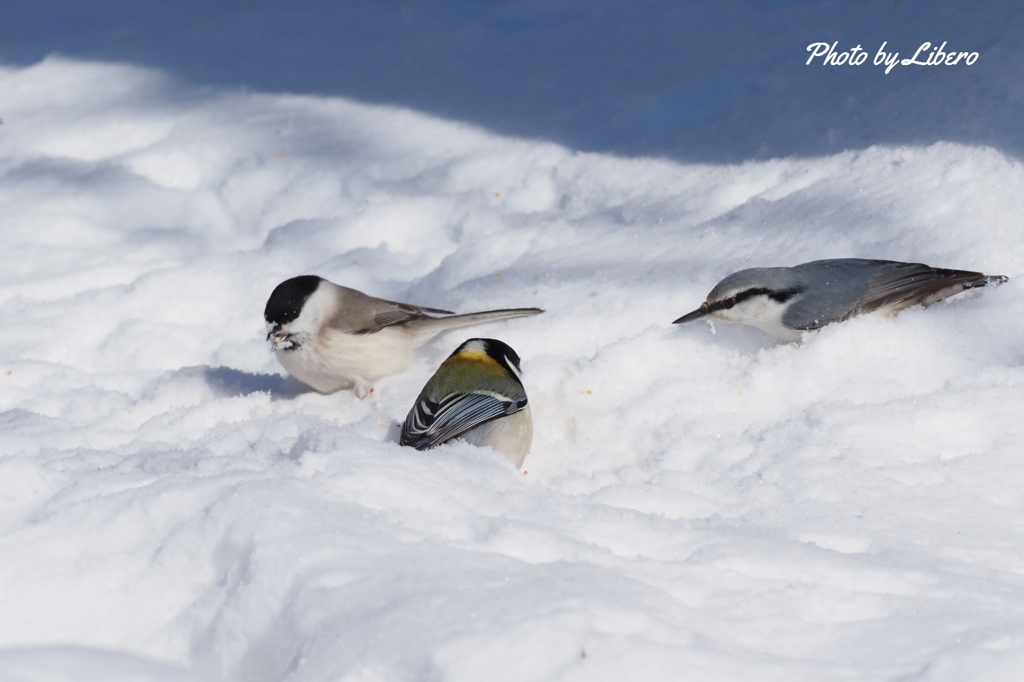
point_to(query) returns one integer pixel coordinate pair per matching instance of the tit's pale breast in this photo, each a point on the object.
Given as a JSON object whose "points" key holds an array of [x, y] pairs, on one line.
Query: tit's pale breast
{"points": [[334, 360]]}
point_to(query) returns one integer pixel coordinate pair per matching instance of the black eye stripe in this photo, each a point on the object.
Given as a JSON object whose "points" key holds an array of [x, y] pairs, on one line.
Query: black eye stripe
{"points": [[780, 296]]}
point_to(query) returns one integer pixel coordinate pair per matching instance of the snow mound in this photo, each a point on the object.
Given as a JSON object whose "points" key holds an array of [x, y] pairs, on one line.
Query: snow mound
{"points": [[697, 499]]}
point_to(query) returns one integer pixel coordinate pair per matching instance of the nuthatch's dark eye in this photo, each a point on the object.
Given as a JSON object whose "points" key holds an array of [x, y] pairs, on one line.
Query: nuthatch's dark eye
{"points": [[728, 303]]}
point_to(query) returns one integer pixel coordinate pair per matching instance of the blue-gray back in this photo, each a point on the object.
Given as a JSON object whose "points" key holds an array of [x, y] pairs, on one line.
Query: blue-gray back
{"points": [[837, 289]]}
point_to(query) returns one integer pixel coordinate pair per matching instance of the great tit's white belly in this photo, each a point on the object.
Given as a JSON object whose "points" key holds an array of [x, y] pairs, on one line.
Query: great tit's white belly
{"points": [[511, 435], [336, 360]]}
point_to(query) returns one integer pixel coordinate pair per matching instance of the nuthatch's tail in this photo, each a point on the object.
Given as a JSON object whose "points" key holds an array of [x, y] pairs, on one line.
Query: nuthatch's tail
{"points": [[987, 281]]}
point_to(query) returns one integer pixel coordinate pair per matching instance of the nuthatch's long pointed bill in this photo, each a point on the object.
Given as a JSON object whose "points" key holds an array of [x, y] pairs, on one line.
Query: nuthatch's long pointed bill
{"points": [[695, 315]]}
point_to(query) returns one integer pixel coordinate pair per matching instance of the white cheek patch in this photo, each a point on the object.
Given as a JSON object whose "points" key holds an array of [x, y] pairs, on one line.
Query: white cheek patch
{"points": [[756, 309], [313, 313], [512, 366], [762, 312]]}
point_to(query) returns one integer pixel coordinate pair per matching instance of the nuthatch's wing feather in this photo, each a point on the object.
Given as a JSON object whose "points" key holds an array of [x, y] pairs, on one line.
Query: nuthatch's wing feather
{"points": [[838, 289], [431, 423], [359, 313]]}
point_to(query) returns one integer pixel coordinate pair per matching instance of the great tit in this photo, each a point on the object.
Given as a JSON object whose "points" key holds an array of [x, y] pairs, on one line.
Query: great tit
{"points": [[477, 395]]}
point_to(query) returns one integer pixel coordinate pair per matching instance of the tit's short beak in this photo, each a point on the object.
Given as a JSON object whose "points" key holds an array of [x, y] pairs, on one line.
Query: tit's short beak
{"points": [[277, 337], [695, 315]]}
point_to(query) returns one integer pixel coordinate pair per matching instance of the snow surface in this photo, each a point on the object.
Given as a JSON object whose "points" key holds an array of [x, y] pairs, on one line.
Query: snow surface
{"points": [[700, 503]]}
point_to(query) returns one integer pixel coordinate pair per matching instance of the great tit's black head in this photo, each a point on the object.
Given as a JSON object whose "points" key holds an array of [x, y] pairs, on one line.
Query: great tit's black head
{"points": [[499, 351], [286, 302]]}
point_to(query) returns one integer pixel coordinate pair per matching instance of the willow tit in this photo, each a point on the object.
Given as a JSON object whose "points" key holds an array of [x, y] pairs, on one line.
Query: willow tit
{"points": [[784, 302], [332, 337], [477, 395]]}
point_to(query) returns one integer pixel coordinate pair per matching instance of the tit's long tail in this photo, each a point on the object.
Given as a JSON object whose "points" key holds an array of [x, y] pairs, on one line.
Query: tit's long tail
{"points": [[428, 326]]}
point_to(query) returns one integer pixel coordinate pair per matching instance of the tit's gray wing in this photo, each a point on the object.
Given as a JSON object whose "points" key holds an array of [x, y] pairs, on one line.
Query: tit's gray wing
{"points": [[836, 290], [433, 422], [358, 313]]}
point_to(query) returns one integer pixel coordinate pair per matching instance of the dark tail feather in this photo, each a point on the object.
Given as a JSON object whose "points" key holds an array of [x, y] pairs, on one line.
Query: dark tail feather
{"points": [[987, 281]]}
